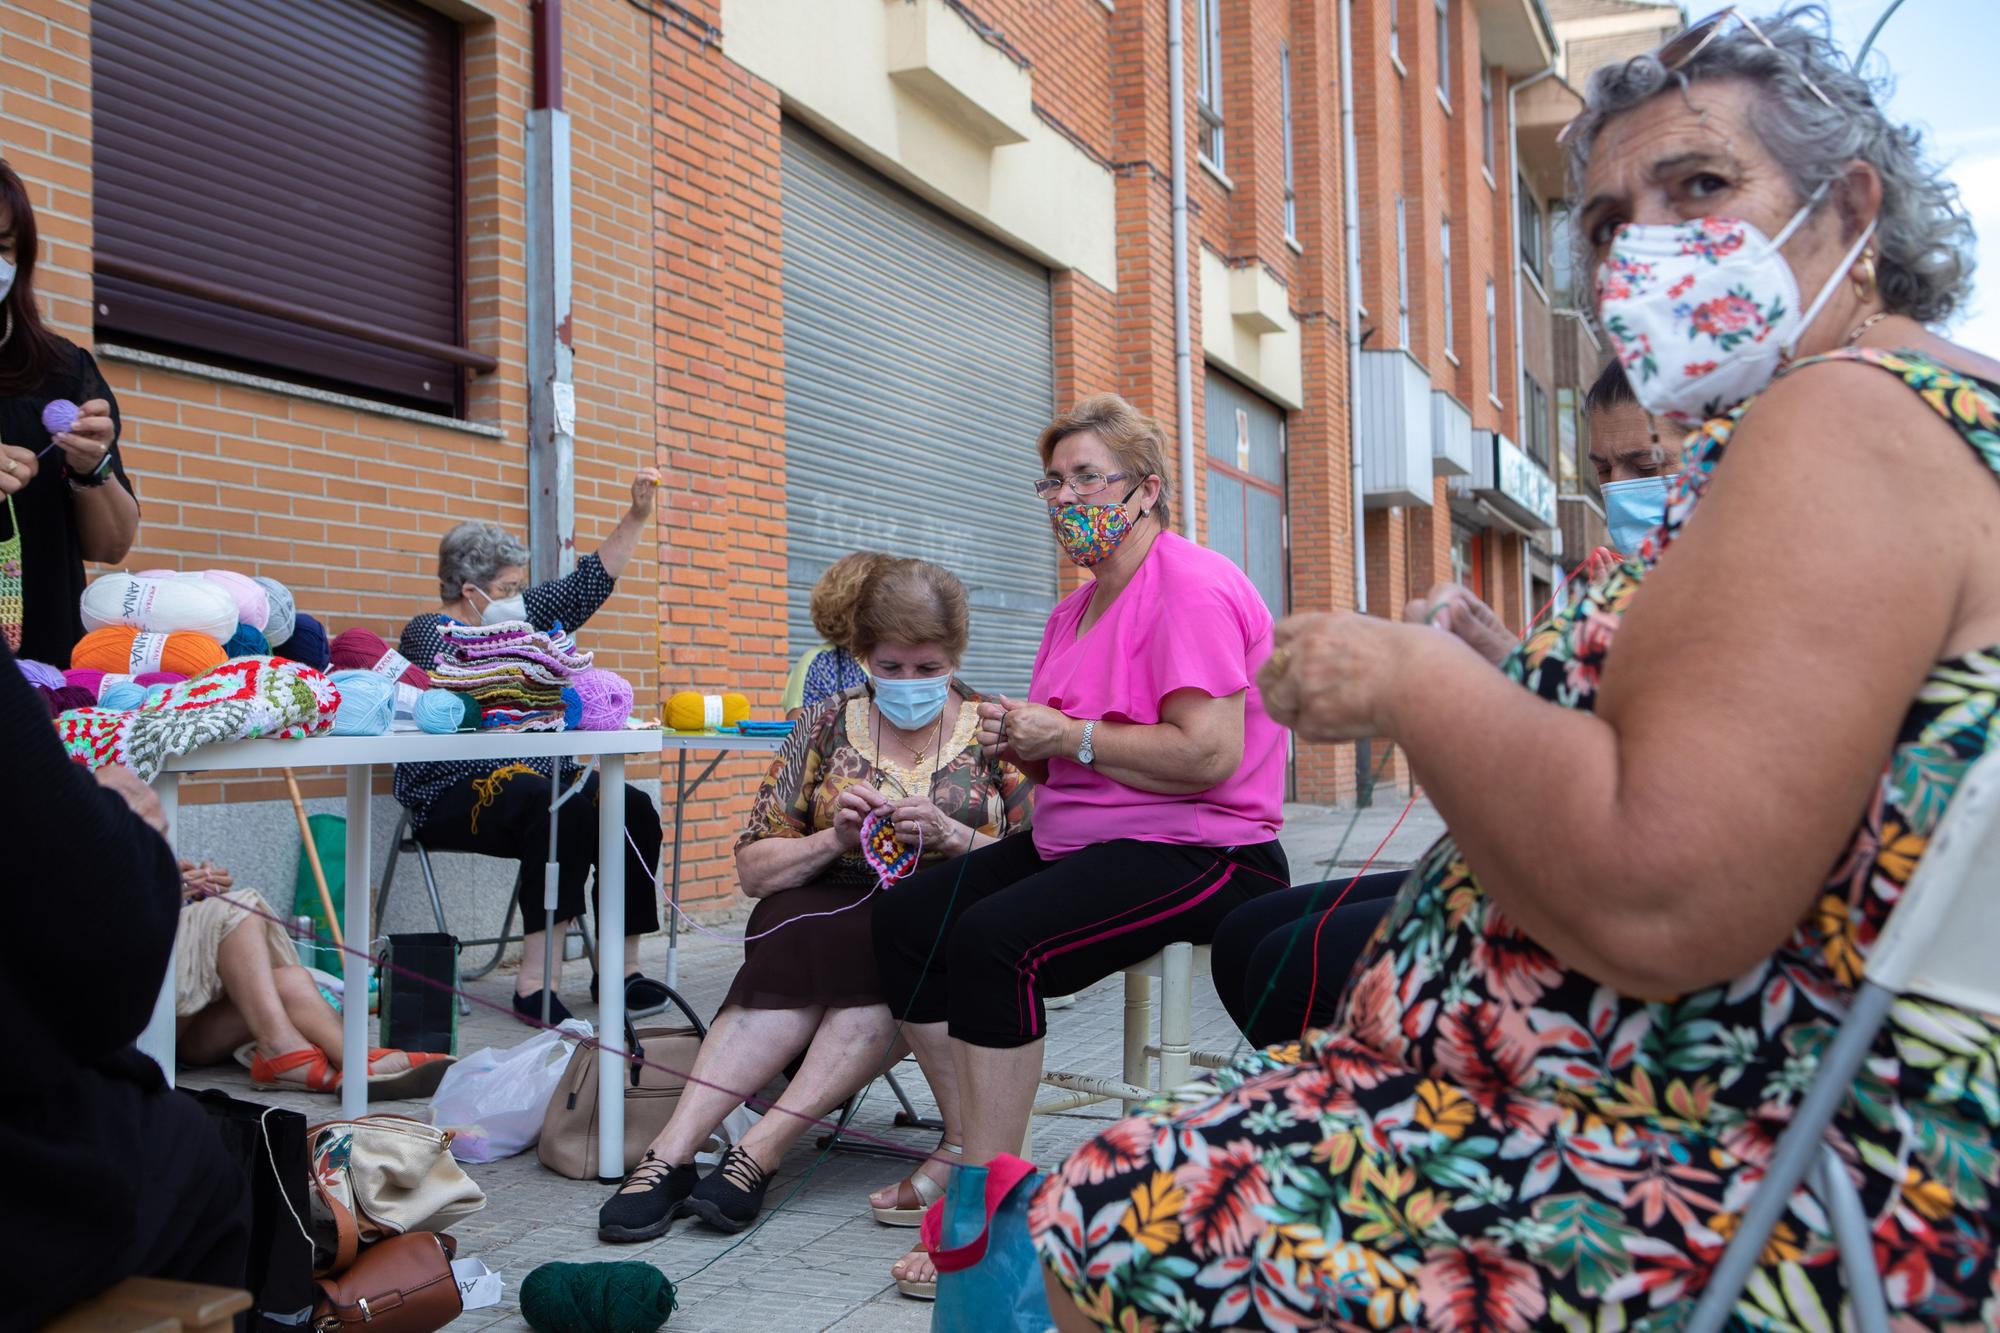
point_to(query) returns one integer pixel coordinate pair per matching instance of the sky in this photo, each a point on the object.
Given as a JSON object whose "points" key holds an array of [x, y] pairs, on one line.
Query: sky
{"points": [[1942, 55]]}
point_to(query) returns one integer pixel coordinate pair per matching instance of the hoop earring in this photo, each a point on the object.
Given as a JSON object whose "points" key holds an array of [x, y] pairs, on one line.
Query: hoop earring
{"points": [[1862, 276]]}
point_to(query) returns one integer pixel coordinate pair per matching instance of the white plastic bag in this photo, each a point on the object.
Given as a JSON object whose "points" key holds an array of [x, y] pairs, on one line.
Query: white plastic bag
{"points": [[493, 1099]]}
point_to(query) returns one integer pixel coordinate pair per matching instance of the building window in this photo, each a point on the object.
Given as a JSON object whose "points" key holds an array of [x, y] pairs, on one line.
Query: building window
{"points": [[1444, 50], [1530, 224], [1492, 340], [1208, 93], [1395, 32], [1402, 274], [1562, 257], [1569, 443], [1444, 253], [1535, 419], [1486, 117], [1285, 100], [307, 223]]}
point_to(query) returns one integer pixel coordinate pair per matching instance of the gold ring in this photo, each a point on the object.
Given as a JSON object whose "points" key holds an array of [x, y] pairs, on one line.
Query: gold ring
{"points": [[1279, 662]]}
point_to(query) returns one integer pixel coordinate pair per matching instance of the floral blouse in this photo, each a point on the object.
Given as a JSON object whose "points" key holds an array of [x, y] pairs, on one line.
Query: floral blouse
{"points": [[832, 747]]}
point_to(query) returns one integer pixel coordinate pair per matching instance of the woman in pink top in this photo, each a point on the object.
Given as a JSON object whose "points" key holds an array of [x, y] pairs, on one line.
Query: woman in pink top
{"points": [[1159, 794]]}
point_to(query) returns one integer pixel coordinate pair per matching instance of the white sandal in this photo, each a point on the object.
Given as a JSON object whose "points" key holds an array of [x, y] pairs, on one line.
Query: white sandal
{"points": [[928, 1192]]}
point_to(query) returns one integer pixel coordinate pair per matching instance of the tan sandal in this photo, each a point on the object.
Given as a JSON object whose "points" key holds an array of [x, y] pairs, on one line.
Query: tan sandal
{"points": [[915, 1288], [926, 1191]]}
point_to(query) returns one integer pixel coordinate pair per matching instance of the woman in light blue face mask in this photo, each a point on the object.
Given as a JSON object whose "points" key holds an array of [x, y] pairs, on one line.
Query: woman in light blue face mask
{"points": [[904, 742], [1633, 459]]}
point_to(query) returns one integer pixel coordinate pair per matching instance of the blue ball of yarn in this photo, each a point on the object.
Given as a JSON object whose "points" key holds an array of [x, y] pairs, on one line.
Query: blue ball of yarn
{"points": [[572, 708], [308, 643], [247, 641], [122, 696], [367, 703], [440, 712]]}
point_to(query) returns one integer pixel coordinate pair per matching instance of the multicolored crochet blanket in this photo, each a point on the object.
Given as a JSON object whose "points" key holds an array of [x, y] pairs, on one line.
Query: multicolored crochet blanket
{"points": [[514, 671], [243, 699]]}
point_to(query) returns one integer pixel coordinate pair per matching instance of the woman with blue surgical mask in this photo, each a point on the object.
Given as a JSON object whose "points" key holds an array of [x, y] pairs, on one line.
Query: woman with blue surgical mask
{"points": [[1633, 459], [904, 745]]}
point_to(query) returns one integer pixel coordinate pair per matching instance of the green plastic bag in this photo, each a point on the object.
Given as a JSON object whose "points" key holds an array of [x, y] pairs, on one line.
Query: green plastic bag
{"points": [[329, 833]]}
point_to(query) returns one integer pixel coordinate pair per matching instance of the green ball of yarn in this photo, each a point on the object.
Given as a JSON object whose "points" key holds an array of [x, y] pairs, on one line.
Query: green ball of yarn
{"points": [[596, 1298]]}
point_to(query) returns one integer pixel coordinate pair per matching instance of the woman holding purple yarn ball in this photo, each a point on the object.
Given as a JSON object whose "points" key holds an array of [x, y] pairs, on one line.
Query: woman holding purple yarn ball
{"points": [[64, 496]]}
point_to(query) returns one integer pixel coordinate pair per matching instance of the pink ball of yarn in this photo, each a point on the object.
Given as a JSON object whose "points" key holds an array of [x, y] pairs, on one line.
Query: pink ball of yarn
{"points": [[59, 415], [92, 681], [606, 697], [151, 678], [253, 604], [364, 649]]}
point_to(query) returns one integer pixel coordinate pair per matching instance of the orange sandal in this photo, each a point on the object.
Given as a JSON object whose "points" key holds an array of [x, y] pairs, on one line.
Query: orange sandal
{"points": [[306, 1069], [393, 1073]]}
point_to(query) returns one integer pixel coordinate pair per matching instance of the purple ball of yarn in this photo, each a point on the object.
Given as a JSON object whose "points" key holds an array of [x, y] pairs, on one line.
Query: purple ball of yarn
{"points": [[604, 699], [71, 696], [41, 673], [59, 415]]}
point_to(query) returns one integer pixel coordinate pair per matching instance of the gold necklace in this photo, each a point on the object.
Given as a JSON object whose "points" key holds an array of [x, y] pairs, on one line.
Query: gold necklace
{"points": [[1864, 326], [916, 753]]}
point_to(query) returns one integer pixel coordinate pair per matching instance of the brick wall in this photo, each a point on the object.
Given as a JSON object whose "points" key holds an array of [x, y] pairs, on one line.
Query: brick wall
{"points": [[343, 504]]}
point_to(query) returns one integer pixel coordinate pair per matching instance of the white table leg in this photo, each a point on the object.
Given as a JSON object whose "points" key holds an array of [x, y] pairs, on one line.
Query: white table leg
{"points": [[611, 965], [158, 1038], [357, 930]]}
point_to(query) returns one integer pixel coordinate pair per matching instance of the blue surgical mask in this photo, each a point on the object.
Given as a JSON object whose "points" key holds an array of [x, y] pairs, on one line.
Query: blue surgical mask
{"points": [[1632, 509], [913, 702], [7, 271]]}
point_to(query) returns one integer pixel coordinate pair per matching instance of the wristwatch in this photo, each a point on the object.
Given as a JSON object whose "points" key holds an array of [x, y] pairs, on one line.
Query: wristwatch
{"points": [[1084, 754]]}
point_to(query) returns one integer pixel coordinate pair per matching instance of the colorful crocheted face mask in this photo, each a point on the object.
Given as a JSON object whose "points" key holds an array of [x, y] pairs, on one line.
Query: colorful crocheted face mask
{"points": [[13, 605], [1089, 534]]}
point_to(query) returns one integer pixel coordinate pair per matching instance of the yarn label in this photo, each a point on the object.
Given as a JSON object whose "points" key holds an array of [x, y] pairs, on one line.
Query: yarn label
{"points": [[711, 711], [148, 648], [392, 665]]}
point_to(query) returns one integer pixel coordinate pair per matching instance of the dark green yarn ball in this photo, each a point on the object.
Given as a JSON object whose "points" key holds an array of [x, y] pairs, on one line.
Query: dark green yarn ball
{"points": [[596, 1298]]}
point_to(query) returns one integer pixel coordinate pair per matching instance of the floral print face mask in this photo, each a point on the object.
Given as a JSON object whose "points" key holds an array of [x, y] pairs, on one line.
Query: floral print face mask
{"points": [[1703, 313]]}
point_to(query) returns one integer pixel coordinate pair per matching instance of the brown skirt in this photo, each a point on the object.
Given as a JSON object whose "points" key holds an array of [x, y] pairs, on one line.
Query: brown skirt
{"points": [[829, 960]]}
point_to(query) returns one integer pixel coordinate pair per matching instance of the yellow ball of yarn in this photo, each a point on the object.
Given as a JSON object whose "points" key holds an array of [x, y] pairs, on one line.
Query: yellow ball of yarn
{"points": [[689, 711]]}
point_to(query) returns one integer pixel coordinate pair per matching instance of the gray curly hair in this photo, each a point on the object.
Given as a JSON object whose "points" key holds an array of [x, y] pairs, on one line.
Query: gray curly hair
{"points": [[473, 553], [1923, 239]]}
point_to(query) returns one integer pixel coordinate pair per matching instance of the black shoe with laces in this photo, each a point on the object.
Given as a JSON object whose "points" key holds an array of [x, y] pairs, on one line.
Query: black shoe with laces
{"points": [[730, 1197], [645, 1205]]}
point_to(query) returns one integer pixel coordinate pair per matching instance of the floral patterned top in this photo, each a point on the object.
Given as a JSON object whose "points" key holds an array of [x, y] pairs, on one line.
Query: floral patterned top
{"points": [[1486, 1139], [832, 747]]}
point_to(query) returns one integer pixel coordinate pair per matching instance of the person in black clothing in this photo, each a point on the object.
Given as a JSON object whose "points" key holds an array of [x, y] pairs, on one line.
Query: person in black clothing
{"points": [[64, 499], [503, 809], [1264, 954], [109, 1174]]}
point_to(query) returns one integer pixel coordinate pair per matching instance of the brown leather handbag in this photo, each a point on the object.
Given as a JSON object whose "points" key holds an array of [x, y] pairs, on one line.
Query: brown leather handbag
{"points": [[400, 1285], [568, 1145]]}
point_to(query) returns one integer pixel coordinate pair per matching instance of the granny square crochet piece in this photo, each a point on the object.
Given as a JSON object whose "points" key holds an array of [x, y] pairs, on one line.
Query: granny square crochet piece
{"points": [[244, 699]]}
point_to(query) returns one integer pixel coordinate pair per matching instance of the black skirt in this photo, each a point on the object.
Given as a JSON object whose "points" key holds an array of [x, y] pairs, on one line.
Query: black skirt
{"points": [[826, 960]]}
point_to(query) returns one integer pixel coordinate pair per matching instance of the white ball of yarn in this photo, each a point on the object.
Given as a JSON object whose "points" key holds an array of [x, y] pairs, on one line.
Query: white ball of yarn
{"points": [[159, 606]]}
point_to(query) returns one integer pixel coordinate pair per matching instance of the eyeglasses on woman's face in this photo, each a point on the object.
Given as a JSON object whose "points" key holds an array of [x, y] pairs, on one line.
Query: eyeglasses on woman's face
{"points": [[1083, 485]]}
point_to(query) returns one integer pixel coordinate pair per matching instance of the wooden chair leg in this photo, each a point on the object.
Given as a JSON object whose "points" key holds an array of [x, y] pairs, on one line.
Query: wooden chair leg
{"points": [[1138, 1031], [1176, 1015]]}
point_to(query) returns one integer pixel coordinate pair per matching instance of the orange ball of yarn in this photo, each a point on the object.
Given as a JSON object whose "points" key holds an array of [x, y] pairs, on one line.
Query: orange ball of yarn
{"points": [[688, 711], [126, 650]]}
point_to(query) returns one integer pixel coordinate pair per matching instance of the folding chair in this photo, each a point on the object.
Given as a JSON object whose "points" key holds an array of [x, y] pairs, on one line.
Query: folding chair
{"points": [[1937, 944]]}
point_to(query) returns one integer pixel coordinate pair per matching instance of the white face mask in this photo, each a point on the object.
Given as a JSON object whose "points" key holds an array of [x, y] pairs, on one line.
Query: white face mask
{"points": [[6, 277], [503, 610], [1702, 314]]}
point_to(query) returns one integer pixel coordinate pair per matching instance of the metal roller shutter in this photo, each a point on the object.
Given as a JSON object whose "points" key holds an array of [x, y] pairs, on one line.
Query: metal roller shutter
{"points": [[277, 184], [918, 371]]}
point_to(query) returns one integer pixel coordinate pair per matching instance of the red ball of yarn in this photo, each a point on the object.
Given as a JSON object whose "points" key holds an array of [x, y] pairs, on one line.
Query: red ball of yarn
{"points": [[363, 650]]}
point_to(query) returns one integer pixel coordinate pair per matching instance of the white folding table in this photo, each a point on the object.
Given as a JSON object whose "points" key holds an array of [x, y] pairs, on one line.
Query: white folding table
{"points": [[361, 756]]}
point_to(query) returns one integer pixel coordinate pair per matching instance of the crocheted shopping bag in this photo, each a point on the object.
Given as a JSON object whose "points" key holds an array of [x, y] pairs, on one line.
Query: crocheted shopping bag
{"points": [[243, 699]]}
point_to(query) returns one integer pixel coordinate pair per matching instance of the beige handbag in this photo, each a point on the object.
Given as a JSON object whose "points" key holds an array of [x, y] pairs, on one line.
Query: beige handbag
{"points": [[381, 1176], [568, 1145]]}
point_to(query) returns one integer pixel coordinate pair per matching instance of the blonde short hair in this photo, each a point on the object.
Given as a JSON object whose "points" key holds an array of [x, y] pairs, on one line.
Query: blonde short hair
{"points": [[1137, 441], [837, 597], [913, 601]]}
